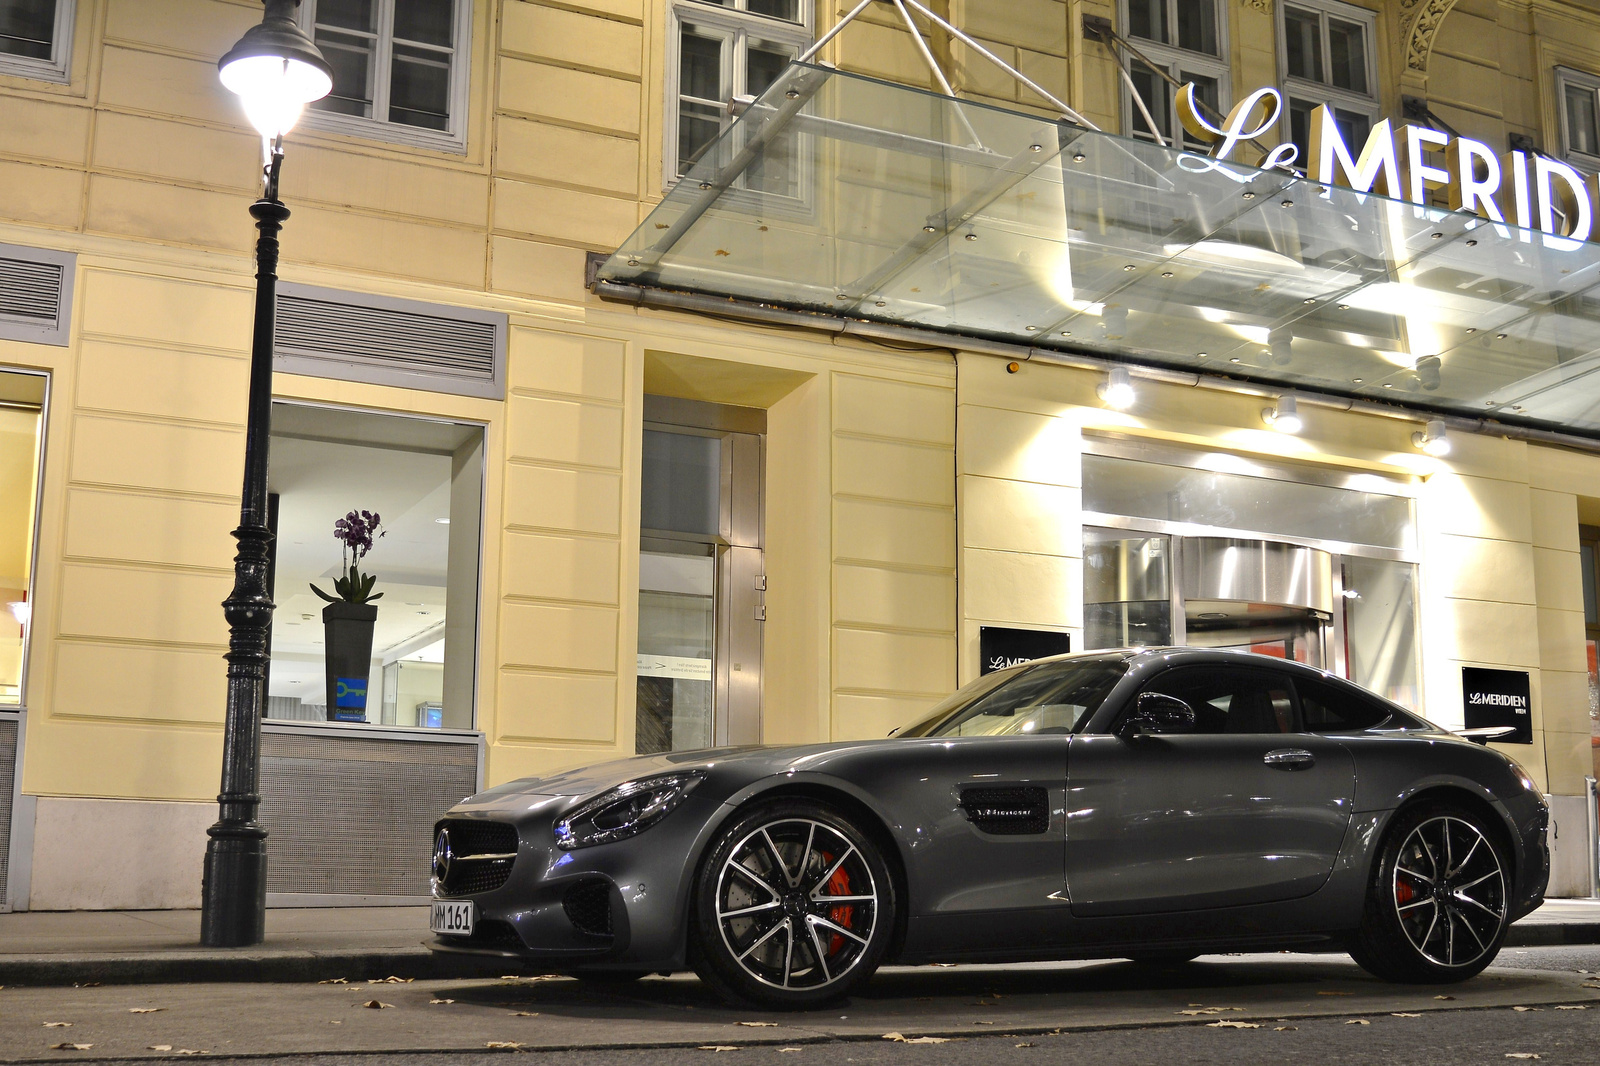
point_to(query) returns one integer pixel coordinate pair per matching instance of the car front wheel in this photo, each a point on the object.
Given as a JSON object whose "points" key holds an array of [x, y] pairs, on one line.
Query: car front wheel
{"points": [[794, 907], [1436, 905]]}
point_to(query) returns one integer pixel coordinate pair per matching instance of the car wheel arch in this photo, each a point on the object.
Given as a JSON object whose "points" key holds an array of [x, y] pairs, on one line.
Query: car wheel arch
{"points": [[868, 819], [1469, 798]]}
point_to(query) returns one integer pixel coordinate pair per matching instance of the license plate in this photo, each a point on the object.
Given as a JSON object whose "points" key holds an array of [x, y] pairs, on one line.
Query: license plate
{"points": [[452, 917]]}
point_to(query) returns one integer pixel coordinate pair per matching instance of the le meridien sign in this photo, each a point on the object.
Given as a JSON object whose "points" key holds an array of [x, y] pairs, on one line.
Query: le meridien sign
{"points": [[1517, 188]]}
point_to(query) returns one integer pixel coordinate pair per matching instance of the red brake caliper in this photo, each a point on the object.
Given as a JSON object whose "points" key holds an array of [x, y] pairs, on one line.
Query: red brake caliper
{"points": [[1403, 892], [838, 885]]}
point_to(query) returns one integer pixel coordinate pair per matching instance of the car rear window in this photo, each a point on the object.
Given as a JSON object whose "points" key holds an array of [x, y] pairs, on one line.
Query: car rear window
{"points": [[1333, 709]]}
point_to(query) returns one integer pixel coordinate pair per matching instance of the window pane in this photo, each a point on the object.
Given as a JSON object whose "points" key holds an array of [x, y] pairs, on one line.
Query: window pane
{"points": [[1205, 90], [348, 14], [698, 126], [700, 65], [419, 90], [677, 635], [424, 21], [1197, 25], [1380, 625], [1231, 701], [19, 465], [764, 61], [682, 482], [27, 27], [1330, 709], [1347, 55], [1591, 616], [1353, 127], [1126, 589], [788, 10], [1302, 44], [775, 170], [1148, 19], [351, 59], [1581, 120], [1153, 91], [1300, 131]]}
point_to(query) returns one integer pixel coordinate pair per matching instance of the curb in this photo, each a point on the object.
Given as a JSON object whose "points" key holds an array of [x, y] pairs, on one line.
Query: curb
{"points": [[207, 967]]}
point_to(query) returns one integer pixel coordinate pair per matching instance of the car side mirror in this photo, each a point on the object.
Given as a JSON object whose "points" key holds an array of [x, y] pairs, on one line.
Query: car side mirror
{"points": [[1156, 713]]}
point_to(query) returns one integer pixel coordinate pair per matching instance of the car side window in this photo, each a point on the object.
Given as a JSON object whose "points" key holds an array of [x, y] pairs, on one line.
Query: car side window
{"points": [[1330, 709], [1232, 700]]}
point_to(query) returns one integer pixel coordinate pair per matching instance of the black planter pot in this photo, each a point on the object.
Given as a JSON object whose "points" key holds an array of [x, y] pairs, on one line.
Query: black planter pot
{"points": [[347, 642]]}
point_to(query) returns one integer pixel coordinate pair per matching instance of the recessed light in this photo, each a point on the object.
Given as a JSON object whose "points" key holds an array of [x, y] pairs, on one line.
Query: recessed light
{"points": [[1166, 273], [441, 521]]}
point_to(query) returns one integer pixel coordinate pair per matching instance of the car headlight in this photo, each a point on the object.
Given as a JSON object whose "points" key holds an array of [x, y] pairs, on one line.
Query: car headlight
{"points": [[625, 811]]}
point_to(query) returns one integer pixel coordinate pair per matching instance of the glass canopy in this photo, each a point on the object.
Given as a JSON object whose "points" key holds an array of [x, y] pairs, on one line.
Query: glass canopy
{"points": [[854, 197]]}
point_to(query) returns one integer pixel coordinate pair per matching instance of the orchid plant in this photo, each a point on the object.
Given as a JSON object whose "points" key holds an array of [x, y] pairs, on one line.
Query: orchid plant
{"points": [[355, 532]]}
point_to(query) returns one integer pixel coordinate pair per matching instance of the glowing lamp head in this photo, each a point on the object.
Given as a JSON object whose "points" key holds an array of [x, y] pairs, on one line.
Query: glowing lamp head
{"points": [[1117, 390], [276, 70], [22, 611], [1285, 418], [1433, 439]]}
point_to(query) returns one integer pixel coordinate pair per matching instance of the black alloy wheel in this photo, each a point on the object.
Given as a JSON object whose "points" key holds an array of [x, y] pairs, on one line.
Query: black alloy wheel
{"points": [[1436, 905], [793, 907]]}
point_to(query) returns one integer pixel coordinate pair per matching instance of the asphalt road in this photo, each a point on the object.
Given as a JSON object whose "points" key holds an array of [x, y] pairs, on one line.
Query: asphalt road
{"points": [[1277, 1008]]}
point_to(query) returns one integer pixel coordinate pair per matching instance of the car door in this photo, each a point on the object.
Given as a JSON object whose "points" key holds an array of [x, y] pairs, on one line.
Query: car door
{"points": [[1245, 809]]}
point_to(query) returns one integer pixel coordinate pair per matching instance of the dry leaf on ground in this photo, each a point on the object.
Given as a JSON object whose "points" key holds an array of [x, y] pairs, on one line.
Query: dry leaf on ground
{"points": [[1403, 1014], [1025, 1045], [1591, 984], [1524, 1010], [1521, 1055], [983, 1023], [719, 1047], [759, 1025], [783, 1049], [334, 981], [159, 1047], [58, 1025], [1232, 1025], [392, 980], [1358, 1021], [1284, 1028], [903, 1039], [1570, 1006], [70, 1047], [441, 1001], [1207, 1010], [377, 1004], [145, 1010], [1444, 997], [524, 1014], [512, 1044]]}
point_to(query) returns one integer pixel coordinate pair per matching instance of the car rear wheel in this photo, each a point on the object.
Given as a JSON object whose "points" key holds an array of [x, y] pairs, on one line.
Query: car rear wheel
{"points": [[1436, 905], [793, 907]]}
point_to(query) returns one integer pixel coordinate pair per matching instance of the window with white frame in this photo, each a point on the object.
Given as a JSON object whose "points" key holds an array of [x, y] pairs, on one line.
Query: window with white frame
{"points": [[1327, 55], [1578, 98], [719, 50], [1186, 39], [36, 38], [400, 68]]}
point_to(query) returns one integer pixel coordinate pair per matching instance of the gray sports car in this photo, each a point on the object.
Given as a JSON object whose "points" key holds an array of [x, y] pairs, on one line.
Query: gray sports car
{"points": [[1152, 804]]}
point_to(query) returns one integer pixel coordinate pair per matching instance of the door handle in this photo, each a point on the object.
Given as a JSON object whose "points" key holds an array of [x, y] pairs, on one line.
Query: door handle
{"points": [[1290, 759]]}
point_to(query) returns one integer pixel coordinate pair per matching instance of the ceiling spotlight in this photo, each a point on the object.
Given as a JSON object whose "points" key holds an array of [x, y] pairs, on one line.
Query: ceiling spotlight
{"points": [[1427, 369], [1285, 418], [1280, 345], [1433, 439], [441, 521], [22, 611], [1117, 390]]}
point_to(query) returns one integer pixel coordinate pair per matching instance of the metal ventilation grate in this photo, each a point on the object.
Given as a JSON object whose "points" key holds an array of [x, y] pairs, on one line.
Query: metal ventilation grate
{"points": [[8, 766], [35, 293], [354, 815], [389, 342]]}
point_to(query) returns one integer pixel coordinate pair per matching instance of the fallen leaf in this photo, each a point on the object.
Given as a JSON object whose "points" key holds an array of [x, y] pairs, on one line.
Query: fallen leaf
{"points": [[1284, 1028], [760, 1025], [392, 980], [723, 251], [1207, 1010], [916, 1039], [1444, 997], [88, 984], [1403, 1014], [1591, 984], [1025, 1045], [983, 1023], [354, 988], [1358, 1021], [661, 225], [1232, 1025], [334, 981], [1521, 1055], [436, 1001], [58, 1025], [1524, 1010], [763, 229], [336, 1021], [783, 1049], [1570, 1006], [377, 1004], [70, 1047], [503, 1044], [159, 1047], [719, 1047], [524, 1014], [145, 1010]]}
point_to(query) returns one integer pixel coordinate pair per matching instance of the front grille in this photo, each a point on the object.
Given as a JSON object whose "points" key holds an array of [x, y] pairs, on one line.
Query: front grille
{"points": [[1007, 811], [588, 906], [469, 838], [491, 933]]}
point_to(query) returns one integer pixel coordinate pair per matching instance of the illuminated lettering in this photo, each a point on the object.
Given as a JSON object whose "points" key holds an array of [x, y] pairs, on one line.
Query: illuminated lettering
{"points": [[1374, 171], [1467, 192], [1420, 176], [1556, 185]]}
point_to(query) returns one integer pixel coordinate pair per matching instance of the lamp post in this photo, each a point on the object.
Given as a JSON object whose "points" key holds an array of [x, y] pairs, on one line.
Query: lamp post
{"points": [[276, 70]]}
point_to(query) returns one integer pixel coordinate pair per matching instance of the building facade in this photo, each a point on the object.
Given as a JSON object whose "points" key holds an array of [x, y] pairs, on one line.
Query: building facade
{"points": [[612, 529]]}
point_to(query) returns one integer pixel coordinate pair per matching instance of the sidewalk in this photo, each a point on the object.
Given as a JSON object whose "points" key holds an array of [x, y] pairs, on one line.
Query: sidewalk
{"points": [[365, 943]]}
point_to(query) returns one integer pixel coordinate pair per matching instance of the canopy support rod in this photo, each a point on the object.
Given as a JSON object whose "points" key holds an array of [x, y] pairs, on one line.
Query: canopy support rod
{"points": [[1138, 100], [938, 74], [805, 86], [939, 227], [805, 57], [1002, 64]]}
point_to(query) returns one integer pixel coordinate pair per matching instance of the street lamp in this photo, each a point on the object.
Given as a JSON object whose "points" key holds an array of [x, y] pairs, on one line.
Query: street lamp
{"points": [[276, 70]]}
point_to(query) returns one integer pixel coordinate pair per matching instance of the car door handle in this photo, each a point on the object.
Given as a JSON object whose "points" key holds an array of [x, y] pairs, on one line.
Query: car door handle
{"points": [[1290, 759]]}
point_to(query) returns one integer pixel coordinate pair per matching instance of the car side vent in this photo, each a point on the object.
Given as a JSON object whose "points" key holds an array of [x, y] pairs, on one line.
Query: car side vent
{"points": [[1007, 811], [384, 341], [35, 294]]}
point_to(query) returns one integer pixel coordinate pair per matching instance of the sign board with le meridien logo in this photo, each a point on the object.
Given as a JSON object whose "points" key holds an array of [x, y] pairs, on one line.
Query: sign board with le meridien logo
{"points": [[1000, 647], [1498, 698]]}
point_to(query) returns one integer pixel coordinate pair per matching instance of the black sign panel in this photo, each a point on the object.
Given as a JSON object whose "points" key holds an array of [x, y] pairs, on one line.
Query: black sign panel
{"points": [[1498, 698], [999, 647]]}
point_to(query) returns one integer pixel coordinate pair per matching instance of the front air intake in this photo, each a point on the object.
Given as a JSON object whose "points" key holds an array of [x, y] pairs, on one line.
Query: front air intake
{"points": [[588, 907]]}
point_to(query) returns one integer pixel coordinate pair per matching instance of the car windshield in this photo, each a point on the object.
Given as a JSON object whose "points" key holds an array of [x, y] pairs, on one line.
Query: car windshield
{"points": [[1050, 697]]}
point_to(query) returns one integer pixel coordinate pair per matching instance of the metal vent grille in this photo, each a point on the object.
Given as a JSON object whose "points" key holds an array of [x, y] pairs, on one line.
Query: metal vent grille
{"points": [[1007, 811], [588, 907], [354, 815], [8, 768], [35, 294], [389, 342], [470, 838]]}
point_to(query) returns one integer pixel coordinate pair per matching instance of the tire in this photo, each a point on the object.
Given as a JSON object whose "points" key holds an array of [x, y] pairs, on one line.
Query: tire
{"points": [[793, 907], [1436, 903]]}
